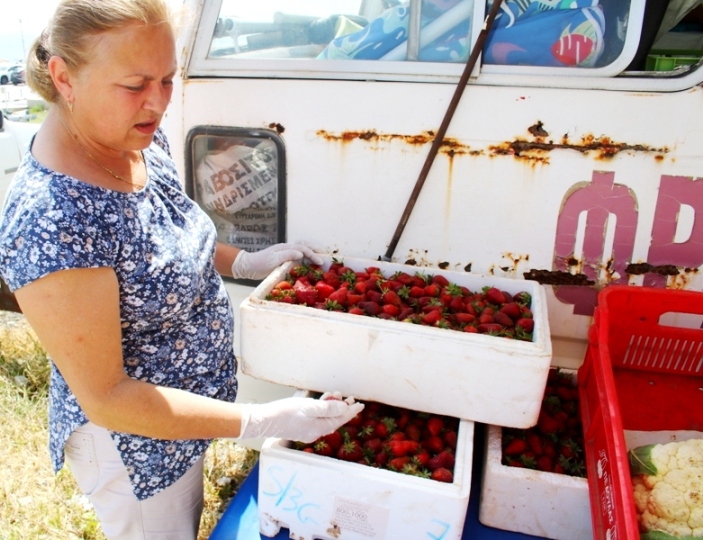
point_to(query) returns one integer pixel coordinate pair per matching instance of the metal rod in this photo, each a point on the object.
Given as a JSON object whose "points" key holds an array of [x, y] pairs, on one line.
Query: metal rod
{"points": [[439, 138], [414, 30]]}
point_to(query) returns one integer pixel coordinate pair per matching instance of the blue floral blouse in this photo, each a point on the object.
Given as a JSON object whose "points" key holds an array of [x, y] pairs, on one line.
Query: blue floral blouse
{"points": [[177, 322]]}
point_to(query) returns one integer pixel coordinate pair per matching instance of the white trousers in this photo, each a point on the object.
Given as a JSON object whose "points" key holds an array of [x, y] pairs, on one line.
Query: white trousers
{"points": [[171, 514]]}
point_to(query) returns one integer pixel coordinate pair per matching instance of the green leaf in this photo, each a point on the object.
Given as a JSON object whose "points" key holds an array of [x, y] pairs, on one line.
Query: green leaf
{"points": [[640, 459]]}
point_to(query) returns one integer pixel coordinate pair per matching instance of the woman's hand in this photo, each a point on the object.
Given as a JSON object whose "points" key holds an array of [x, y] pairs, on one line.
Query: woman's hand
{"points": [[259, 264], [296, 418]]}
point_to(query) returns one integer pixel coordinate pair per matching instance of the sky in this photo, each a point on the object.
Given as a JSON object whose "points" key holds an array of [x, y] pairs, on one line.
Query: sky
{"points": [[21, 23]]}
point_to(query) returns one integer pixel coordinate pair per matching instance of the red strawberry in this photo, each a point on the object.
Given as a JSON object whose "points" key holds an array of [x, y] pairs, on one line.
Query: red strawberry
{"points": [[440, 280], [435, 425], [495, 296], [534, 441], [370, 308], [323, 290], [391, 297], [339, 296], [331, 278], [305, 293], [465, 318], [526, 324], [374, 445], [417, 292], [434, 444], [450, 438], [512, 310], [432, 317], [333, 439], [503, 319], [390, 309], [413, 432], [374, 296], [547, 424], [545, 463], [489, 328], [403, 448], [322, 448], [381, 459], [432, 290], [446, 459], [470, 329], [356, 311], [421, 458], [398, 463], [350, 451], [442, 475], [515, 447]]}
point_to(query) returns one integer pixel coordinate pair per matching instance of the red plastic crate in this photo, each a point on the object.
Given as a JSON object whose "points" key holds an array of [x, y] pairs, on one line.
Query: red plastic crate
{"points": [[638, 374]]}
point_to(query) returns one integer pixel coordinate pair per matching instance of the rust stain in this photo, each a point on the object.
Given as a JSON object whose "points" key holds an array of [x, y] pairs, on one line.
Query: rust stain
{"points": [[449, 146], [535, 150], [638, 269], [558, 277], [278, 127]]}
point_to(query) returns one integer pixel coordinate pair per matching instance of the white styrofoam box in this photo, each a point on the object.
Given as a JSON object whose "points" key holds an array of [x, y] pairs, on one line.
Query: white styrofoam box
{"points": [[318, 497], [472, 376], [548, 505]]}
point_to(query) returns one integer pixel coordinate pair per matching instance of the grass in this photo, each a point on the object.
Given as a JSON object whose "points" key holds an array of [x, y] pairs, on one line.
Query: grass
{"points": [[37, 504]]}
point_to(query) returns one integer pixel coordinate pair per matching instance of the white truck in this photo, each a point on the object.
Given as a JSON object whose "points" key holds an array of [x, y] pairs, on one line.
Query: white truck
{"points": [[574, 175]]}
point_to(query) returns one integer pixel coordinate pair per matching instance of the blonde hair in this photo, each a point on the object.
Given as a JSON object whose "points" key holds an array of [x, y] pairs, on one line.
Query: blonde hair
{"points": [[74, 22]]}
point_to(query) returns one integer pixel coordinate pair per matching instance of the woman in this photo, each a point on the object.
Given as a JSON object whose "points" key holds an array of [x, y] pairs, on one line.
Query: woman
{"points": [[117, 272]]}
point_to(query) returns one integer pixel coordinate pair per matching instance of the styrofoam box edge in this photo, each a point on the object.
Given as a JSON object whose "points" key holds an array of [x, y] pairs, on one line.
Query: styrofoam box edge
{"points": [[527, 501], [310, 495], [422, 368]]}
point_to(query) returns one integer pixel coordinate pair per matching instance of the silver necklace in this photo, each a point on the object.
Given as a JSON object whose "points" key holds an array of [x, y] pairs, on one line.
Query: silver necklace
{"points": [[110, 171]]}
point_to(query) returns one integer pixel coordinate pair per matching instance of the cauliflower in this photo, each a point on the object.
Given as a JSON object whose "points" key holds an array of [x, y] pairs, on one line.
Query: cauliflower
{"points": [[667, 481]]}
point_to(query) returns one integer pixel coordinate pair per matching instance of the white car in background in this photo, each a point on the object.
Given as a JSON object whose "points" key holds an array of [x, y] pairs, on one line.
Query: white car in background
{"points": [[14, 141], [6, 72]]}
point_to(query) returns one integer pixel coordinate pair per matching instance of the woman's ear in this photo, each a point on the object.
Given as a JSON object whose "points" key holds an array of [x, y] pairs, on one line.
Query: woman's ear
{"points": [[61, 76]]}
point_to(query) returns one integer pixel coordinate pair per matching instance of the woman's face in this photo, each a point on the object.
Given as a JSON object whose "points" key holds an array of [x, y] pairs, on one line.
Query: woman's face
{"points": [[122, 93]]}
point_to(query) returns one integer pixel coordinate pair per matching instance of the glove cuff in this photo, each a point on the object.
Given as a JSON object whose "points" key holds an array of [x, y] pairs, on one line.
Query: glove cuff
{"points": [[239, 266]]}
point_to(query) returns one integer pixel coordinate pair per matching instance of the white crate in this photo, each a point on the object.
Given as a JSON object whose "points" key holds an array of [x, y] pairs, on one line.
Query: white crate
{"points": [[318, 497], [472, 376], [548, 505]]}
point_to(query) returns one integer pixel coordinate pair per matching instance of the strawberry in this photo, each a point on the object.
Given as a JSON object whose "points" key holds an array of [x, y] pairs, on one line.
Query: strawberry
{"points": [[374, 296], [470, 329], [385, 427], [339, 296], [446, 459], [417, 292], [450, 438], [391, 297], [322, 448], [390, 309], [435, 425], [374, 445], [503, 319], [534, 441], [381, 459], [398, 463], [350, 451], [421, 458], [334, 440], [356, 311], [413, 432], [434, 444], [331, 278], [544, 463], [526, 324], [512, 310], [494, 296], [432, 317], [440, 280], [443, 475], [324, 290], [370, 308], [515, 447], [432, 290], [403, 448], [490, 328], [547, 424], [305, 293]]}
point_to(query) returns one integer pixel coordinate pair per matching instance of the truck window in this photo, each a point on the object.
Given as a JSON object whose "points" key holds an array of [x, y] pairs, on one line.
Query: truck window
{"points": [[237, 177], [524, 33], [532, 43]]}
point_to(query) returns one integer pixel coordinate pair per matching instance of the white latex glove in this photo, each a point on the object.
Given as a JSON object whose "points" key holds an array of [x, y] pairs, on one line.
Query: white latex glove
{"points": [[259, 264], [296, 418]]}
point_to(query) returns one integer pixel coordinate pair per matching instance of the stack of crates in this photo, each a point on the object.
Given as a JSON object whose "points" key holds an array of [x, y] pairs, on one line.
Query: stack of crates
{"points": [[472, 377]]}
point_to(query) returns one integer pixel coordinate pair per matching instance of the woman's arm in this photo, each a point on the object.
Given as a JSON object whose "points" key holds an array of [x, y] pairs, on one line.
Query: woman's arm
{"points": [[224, 258], [76, 315]]}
